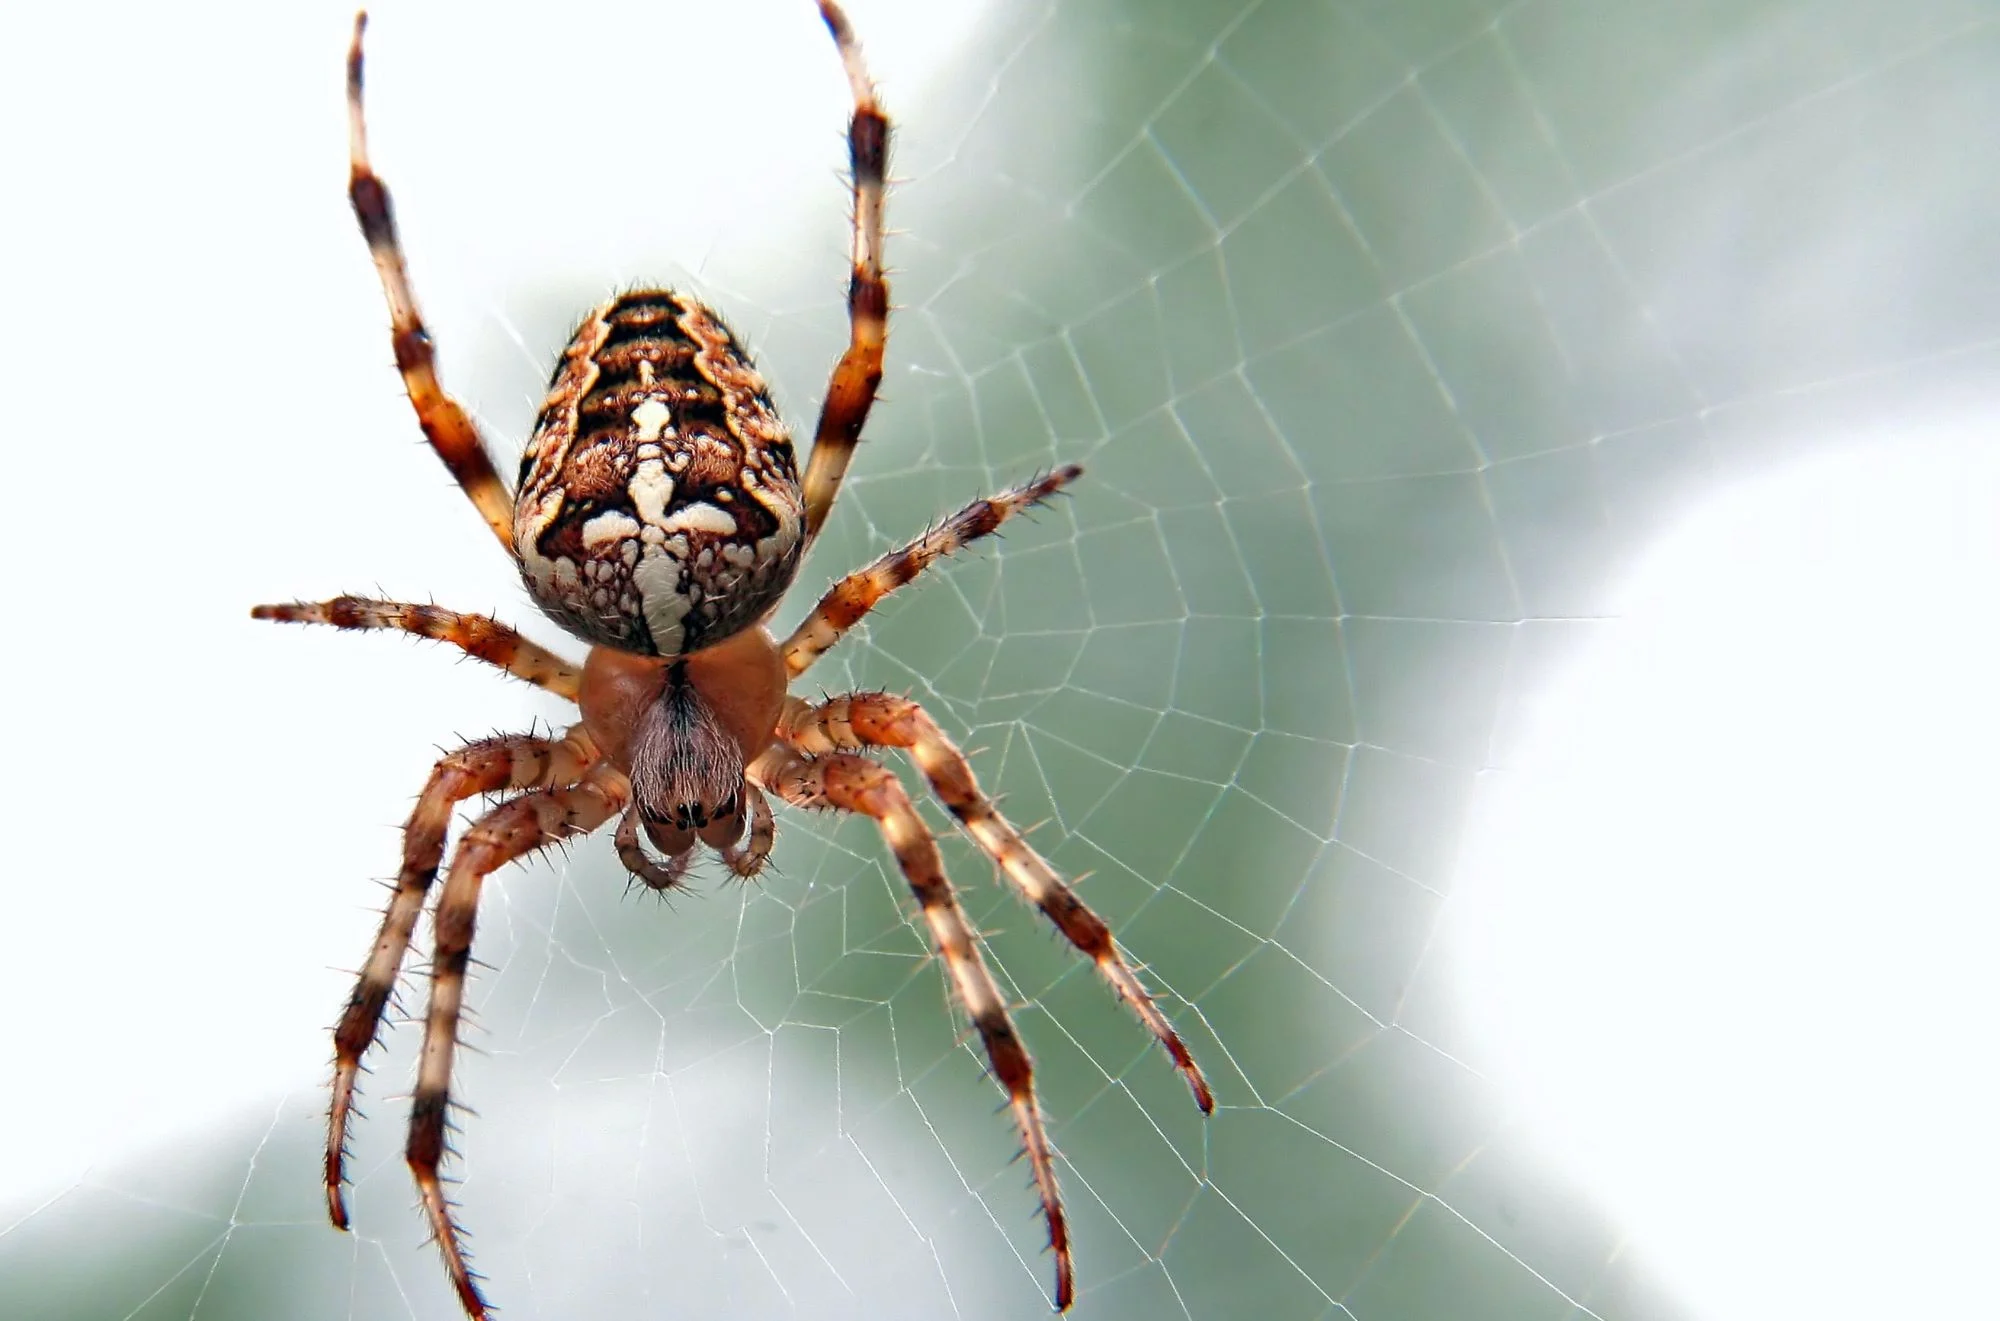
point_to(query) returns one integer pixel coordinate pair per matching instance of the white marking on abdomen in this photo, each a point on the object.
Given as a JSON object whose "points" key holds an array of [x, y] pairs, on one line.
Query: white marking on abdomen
{"points": [[699, 517], [651, 417], [608, 528], [650, 488], [658, 579]]}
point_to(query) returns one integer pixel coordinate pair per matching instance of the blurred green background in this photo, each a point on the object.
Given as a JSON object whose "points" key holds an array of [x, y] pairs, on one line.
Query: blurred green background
{"points": [[1389, 333]]}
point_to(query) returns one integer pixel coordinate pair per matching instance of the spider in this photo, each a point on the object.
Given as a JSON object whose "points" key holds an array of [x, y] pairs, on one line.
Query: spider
{"points": [[660, 517]]}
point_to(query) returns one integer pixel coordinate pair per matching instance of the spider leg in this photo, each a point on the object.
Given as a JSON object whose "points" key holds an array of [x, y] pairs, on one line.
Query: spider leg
{"points": [[850, 393], [515, 761], [747, 858], [861, 591], [855, 784], [662, 876], [880, 720], [476, 635], [512, 830], [450, 431]]}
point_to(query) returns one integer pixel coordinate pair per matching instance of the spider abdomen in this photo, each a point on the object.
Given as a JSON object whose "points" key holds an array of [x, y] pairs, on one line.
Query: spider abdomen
{"points": [[659, 509]]}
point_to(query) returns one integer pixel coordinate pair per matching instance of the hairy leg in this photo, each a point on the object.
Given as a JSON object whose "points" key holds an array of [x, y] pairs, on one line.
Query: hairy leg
{"points": [[880, 720], [855, 784], [450, 431], [494, 765], [476, 635], [850, 393], [512, 830], [855, 595]]}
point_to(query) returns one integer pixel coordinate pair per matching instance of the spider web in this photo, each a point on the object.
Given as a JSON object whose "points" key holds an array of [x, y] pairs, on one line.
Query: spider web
{"points": [[1409, 348]]}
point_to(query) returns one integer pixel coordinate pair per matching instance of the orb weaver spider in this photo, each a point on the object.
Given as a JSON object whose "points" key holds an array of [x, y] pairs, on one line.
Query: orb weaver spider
{"points": [[660, 517]]}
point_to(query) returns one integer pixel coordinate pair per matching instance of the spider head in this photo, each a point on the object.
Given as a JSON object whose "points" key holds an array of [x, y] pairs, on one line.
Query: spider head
{"points": [[684, 729]]}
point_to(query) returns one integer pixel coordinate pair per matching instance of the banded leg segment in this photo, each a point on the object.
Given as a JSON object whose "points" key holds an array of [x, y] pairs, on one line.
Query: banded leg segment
{"points": [[493, 765], [475, 635], [848, 600], [855, 784], [879, 720], [850, 393], [450, 431], [512, 830]]}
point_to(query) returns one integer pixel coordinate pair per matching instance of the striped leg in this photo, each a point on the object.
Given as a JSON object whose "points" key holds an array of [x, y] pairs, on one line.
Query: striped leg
{"points": [[879, 720], [517, 761], [851, 391], [451, 433], [855, 595], [475, 635], [855, 784], [512, 830]]}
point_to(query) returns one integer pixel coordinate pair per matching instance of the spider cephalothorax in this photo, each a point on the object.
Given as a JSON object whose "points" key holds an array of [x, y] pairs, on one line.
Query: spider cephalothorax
{"points": [[683, 731], [659, 517]]}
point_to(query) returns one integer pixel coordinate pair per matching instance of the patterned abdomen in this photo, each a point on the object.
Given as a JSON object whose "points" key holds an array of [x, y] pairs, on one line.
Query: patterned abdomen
{"points": [[659, 509]]}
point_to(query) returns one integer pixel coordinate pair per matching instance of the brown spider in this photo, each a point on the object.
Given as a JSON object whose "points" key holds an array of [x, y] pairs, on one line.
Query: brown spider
{"points": [[660, 517]]}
